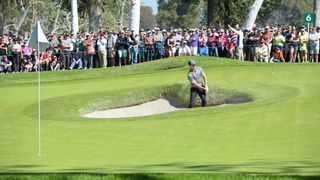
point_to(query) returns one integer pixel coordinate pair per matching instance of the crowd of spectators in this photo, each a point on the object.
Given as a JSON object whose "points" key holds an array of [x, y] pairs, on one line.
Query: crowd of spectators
{"points": [[119, 48]]}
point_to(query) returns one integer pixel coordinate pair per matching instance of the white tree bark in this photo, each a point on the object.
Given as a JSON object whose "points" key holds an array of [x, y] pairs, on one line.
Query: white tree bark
{"points": [[75, 17], [317, 12], [135, 16], [252, 15]]}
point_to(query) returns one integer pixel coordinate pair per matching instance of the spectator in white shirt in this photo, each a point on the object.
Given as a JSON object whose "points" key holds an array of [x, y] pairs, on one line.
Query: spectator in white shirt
{"points": [[184, 50], [102, 50]]}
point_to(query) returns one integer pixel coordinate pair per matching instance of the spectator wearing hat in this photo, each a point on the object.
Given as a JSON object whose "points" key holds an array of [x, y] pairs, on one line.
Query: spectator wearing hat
{"points": [[54, 64], [26, 50], [303, 40], [102, 50], [89, 52], [171, 44], [158, 47], [222, 41], [277, 56], [17, 53], [134, 47], [279, 40], [203, 48], [141, 46], [111, 50], [212, 43], [253, 39], [267, 38], [79, 50], [239, 43], [263, 52], [45, 60], [67, 48], [184, 49], [193, 42], [148, 42], [178, 38], [5, 65], [293, 45], [122, 47], [313, 45]]}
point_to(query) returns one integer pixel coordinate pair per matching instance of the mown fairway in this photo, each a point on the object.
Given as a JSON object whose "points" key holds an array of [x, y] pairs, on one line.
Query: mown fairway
{"points": [[277, 133]]}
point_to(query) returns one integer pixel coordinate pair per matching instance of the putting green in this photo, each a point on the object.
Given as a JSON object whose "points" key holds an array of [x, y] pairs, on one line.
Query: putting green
{"points": [[277, 133]]}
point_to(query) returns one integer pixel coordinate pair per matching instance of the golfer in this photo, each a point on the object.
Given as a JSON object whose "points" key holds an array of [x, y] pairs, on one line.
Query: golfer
{"points": [[199, 84]]}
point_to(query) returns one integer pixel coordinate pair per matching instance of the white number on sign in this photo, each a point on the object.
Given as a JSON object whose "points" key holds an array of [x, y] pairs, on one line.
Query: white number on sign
{"points": [[308, 18]]}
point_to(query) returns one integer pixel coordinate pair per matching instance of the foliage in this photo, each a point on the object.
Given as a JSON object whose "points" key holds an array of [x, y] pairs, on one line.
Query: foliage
{"points": [[178, 13], [148, 19]]}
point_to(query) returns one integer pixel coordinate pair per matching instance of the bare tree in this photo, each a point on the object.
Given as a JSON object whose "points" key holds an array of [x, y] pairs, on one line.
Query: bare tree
{"points": [[252, 15], [316, 10], [135, 16]]}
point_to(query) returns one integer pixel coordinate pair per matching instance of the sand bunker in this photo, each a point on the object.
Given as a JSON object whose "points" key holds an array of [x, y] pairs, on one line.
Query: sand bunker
{"points": [[146, 109]]}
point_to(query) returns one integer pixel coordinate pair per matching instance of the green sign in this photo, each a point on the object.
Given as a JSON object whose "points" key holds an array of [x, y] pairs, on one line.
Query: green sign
{"points": [[309, 17]]}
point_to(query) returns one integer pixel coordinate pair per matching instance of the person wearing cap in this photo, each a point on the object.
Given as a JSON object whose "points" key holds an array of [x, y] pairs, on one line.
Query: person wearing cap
{"points": [[184, 49], [26, 50], [277, 56], [239, 43], [313, 45], [122, 47], [171, 45], [148, 42], [111, 50], [203, 48], [16, 50], [5, 65], [141, 47], [267, 38], [199, 84], [279, 40], [102, 51], [177, 37], [79, 52], [222, 42], [212, 43], [134, 47], [158, 47], [193, 42], [263, 52], [303, 40], [67, 47], [89, 52], [253, 39]]}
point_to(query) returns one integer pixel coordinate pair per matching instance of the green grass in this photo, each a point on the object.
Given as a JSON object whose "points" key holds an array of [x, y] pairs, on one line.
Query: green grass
{"points": [[276, 134]]}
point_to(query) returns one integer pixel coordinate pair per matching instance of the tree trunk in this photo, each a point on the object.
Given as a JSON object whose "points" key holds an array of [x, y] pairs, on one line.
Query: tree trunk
{"points": [[252, 15], [75, 17], [135, 16], [316, 10], [210, 13], [94, 15], [1, 17]]}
